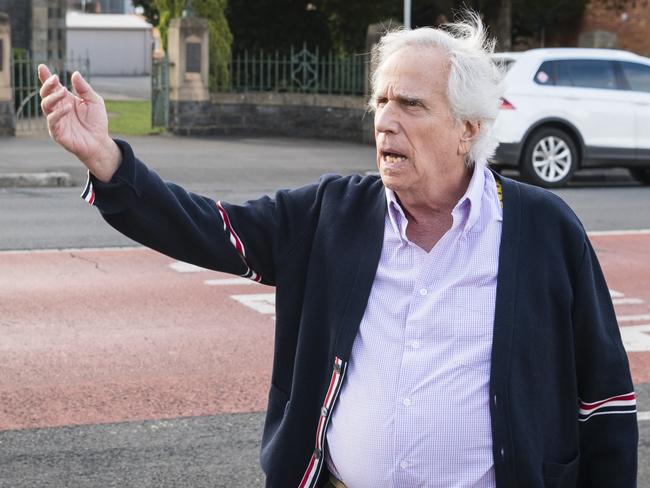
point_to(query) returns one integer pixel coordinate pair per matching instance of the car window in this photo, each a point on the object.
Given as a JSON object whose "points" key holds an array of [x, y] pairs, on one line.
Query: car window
{"points": [[637, 76], [586, 73], [544, 75], [562, 74]]}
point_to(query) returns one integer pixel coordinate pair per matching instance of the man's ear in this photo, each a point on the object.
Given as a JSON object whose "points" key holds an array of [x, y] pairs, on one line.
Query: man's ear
{"points": [[469, 132]]}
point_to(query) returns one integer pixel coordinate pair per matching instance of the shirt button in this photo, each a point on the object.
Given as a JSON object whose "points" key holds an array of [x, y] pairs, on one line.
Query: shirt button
{"points": [[406, 402], [403, 465], [423, 291], [415, 344]]}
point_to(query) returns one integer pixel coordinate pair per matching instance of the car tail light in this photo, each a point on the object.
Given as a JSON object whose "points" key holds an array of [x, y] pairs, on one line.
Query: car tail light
{"points": [[506, 105]]}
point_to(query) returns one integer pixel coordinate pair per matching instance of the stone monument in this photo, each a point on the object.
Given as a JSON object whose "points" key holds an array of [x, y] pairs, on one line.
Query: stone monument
{"points": [[187, 47], [7, 117]]}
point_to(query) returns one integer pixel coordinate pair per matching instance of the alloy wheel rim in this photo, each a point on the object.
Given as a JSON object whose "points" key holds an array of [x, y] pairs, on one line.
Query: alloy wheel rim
{"points": [[552, 159]]}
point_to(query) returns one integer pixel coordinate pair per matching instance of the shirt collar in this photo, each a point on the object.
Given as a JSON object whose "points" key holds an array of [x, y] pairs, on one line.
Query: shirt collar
{"points": [[465, 213]]}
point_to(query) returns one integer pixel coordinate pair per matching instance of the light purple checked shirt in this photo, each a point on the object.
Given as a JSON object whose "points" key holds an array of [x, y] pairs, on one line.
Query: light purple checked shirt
{"points": [[414, 408]]}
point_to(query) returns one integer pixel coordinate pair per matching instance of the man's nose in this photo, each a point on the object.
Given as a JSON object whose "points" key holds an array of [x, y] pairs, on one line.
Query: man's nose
{"points": [[386, 119]]}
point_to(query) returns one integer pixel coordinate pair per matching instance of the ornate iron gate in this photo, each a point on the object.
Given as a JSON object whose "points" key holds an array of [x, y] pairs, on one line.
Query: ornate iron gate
{"points": [[160, 93], [29, 117]]}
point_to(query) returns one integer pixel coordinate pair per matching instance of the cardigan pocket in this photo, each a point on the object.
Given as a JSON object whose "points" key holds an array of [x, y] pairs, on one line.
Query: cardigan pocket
{"points": [[276, 414], [558, 475]]}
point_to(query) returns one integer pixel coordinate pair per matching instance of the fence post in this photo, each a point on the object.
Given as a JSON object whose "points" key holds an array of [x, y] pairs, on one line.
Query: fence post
{"points": [[317, 71]]}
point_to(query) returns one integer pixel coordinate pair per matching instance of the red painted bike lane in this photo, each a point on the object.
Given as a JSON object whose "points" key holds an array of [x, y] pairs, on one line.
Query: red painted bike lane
{"points": [[98, 336], [95, 336], [625, 259]]}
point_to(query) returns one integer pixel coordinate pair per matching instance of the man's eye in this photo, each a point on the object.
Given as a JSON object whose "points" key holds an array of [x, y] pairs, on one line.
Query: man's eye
{"points": [[412, 103], [381, 101]]}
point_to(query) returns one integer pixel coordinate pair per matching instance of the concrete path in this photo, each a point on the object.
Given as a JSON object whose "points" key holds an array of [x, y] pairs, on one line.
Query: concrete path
{"points": [[123, 87]]}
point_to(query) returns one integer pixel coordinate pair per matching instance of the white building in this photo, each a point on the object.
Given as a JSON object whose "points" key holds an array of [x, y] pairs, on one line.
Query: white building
{"points": [[116, 44]]}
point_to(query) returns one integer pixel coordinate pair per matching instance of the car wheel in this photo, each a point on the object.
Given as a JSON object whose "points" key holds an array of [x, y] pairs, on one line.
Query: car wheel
{"points": [[550, 158], [641, 174]]}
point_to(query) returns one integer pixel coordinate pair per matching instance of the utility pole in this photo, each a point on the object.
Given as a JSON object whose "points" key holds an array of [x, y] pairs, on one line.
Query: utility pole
{"points": [[407, 14]]}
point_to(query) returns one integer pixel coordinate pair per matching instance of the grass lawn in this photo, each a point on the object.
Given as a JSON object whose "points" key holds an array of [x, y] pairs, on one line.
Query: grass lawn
{"points": [[130, 118]]}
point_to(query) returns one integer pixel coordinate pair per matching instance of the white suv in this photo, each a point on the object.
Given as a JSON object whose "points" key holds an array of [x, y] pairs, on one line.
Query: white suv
{"points": [[570, 108]]}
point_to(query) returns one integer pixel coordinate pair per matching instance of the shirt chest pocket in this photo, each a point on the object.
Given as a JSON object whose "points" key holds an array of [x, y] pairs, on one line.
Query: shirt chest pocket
{"points": [[473, 324]]}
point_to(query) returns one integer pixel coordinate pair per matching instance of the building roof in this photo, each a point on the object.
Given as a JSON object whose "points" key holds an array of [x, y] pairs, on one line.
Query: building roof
{"points": [[80, 20]]}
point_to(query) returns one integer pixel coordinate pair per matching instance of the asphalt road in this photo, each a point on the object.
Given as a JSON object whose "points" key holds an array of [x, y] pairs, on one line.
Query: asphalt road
{"points": [[237, 169], [197, 449]]}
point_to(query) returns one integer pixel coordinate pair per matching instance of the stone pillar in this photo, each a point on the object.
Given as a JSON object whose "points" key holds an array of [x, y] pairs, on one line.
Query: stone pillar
{"points": [[187, 47], [7, 116], [373, 34], [40, 24]]}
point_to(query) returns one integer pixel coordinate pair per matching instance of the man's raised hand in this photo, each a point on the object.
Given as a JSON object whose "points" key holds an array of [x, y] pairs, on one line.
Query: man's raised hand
{"points": [[79, 123]]}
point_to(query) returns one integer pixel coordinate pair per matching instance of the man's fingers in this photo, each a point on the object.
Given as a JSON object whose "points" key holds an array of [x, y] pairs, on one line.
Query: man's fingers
{"points": [[49, 102], [83, 88], [43, 73], [54, 117], [49, 85]]}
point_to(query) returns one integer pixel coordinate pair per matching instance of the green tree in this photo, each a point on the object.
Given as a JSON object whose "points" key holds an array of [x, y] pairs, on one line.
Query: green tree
{"points": [[265, 25], [220, 37], [537, 18], [150, 10]]}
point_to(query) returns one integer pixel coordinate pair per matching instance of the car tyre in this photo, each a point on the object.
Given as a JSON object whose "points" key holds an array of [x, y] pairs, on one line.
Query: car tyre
{"points": [[641, 174], [550, 158]]}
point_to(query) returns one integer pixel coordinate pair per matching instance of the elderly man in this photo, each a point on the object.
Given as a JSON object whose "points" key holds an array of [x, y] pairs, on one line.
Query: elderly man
{"points": [[440, 326]]}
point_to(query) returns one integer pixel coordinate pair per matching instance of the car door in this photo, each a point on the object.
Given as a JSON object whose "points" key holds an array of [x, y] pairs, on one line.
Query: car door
{"points": [[603, 110], [637, 77]]}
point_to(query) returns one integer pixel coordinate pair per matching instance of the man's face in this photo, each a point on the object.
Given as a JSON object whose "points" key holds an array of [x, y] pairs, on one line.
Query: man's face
{"points": [[418, 141]]}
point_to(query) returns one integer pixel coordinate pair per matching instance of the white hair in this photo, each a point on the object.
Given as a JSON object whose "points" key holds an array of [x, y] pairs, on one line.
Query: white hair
{"points": [[474, 86]]}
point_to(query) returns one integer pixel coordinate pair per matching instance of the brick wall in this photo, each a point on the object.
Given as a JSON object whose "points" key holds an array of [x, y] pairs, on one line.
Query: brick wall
{"points": [[631, 25]]}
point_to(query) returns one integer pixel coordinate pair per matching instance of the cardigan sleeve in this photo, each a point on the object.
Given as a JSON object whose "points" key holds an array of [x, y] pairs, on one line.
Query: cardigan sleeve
{"points": [[236, 239], [607, 404]]}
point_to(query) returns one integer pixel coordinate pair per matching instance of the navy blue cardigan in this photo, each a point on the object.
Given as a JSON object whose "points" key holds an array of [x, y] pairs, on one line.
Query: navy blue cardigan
{"points": [[561, 397]]}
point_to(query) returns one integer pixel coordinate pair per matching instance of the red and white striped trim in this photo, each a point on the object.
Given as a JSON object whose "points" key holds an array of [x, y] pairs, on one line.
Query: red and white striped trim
{"points": [[89, 192], [618, 404], [237, 243], [316, 462]]}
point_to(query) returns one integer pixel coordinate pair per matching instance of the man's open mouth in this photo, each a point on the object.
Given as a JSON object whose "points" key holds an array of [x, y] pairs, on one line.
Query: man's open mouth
{"points": [[392, 157]]}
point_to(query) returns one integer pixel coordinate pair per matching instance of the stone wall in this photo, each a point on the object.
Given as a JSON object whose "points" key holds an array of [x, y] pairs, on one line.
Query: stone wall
{"points": [[281, 114], [20, 12], [7, 120]]}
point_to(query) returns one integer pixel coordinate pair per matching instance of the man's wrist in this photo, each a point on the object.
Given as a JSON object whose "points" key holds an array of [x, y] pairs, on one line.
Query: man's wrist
{"points": [[105, 161]]}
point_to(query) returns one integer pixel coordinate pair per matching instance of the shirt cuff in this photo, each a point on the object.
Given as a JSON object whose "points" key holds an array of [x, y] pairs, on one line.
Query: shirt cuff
{"points": [[122, 191]]}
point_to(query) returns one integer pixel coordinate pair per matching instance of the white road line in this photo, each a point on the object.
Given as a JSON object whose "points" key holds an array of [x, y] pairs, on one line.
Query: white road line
{"points": [[627, 301], [618, 232], [641, 416], [183, 267], [230, 281], [616, 294], [260, 302], [636, 338], [632, 318]]}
